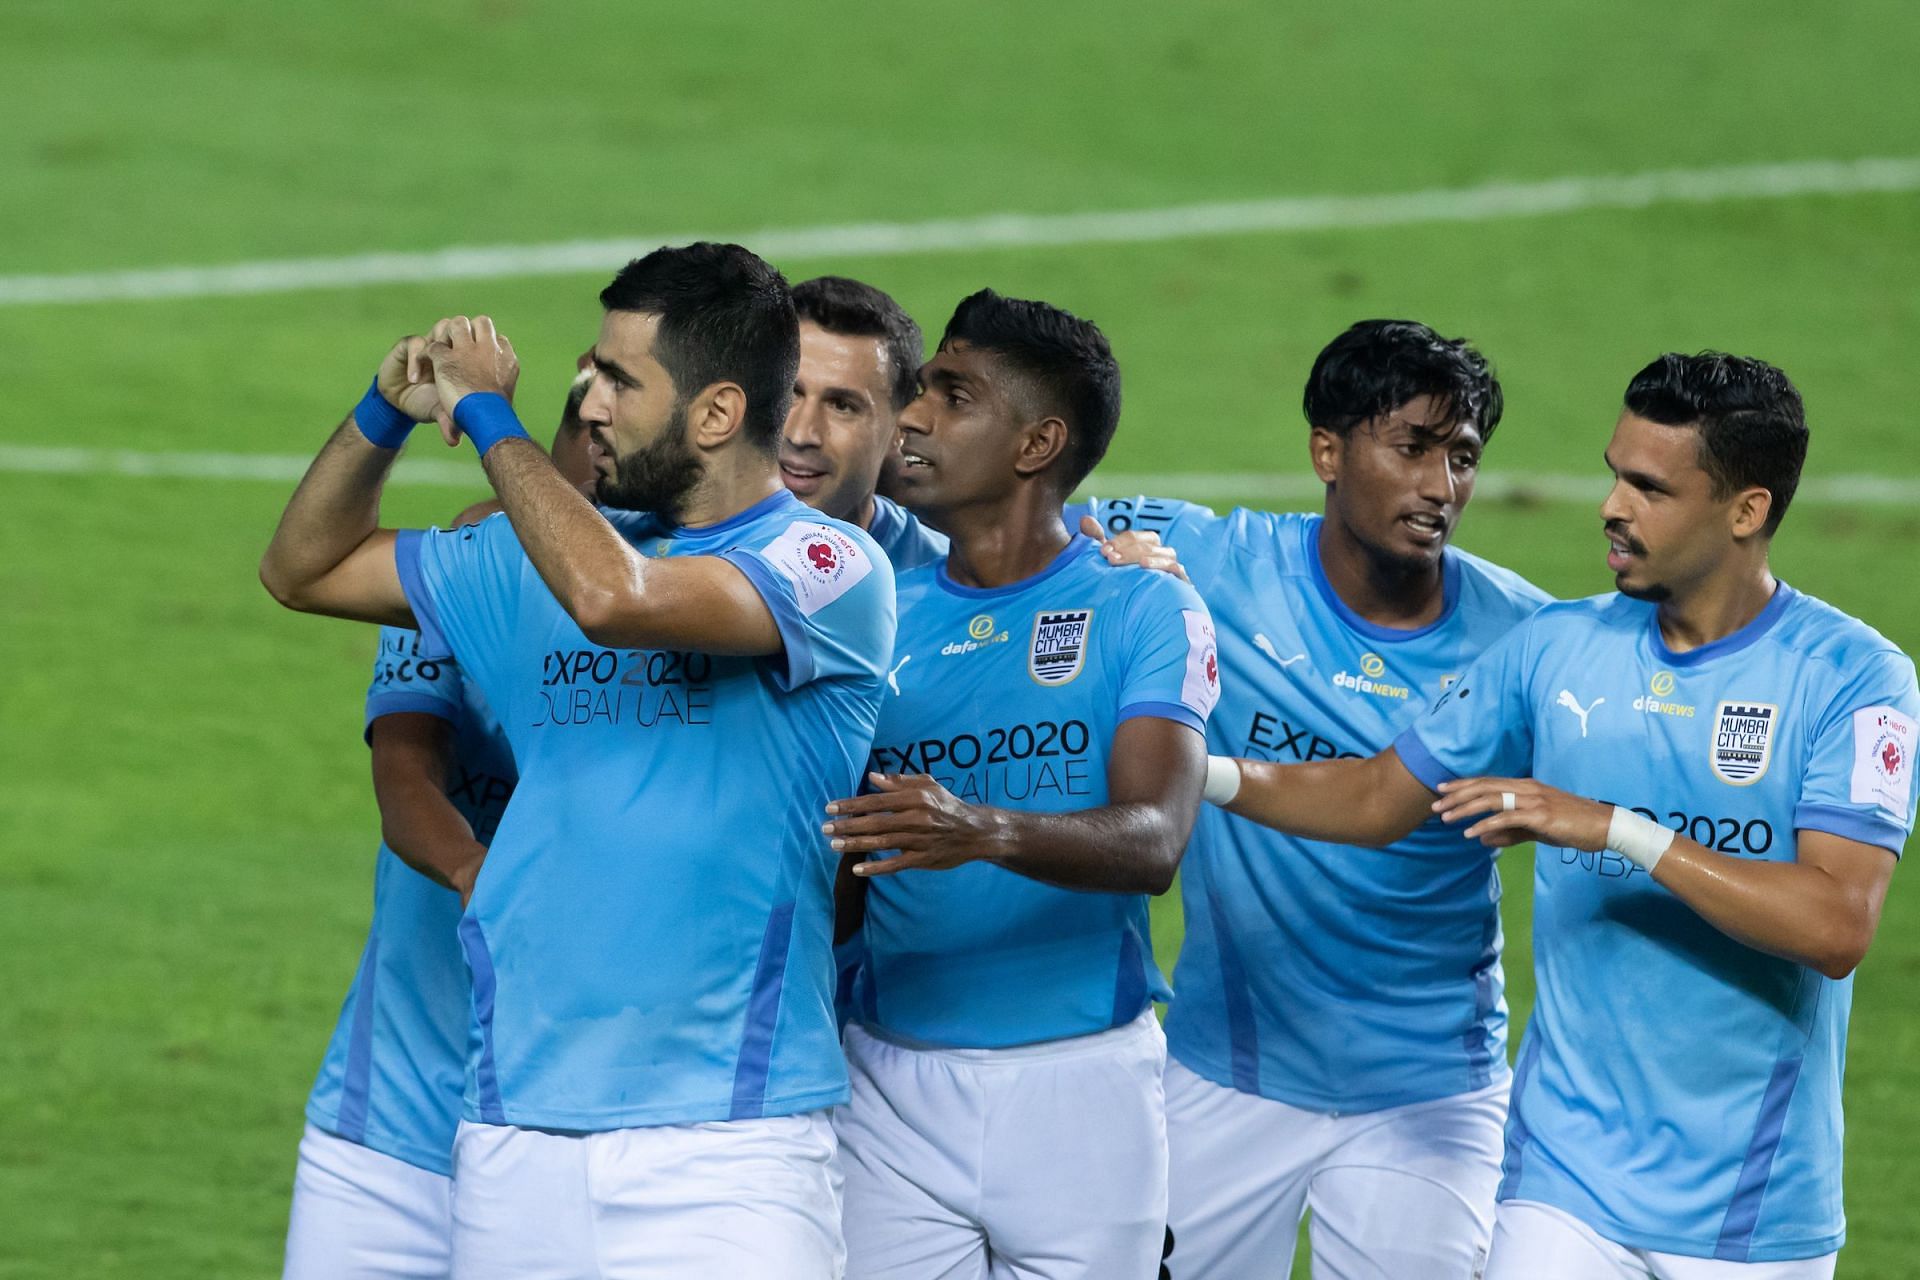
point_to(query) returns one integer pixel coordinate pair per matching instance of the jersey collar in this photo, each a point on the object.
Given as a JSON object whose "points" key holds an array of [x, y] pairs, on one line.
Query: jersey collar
{"points": [[1079, 545], [1762, 623], [1449, 593]]}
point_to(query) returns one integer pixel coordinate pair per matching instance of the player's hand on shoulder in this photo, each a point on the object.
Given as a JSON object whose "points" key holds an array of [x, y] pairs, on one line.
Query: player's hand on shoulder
{"points": [[1520, 809], [1135, 546], [933, 829]]}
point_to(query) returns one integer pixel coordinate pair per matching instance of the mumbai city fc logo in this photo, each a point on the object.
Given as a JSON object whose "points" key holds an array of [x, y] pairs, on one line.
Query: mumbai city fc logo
{"points": [[1743, 741], [1059, 645]]}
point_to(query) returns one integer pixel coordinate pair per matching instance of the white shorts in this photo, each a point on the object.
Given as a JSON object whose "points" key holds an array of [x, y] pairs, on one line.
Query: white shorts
{"points": [[1041, 1162], [740, 1199], [1398, 1193], [1532, 1240], [361, 1215]]}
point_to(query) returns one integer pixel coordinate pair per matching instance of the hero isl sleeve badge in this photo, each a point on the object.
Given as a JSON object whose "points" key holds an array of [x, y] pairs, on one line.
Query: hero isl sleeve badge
{"points": [[1059, 645], [1883, 745]]}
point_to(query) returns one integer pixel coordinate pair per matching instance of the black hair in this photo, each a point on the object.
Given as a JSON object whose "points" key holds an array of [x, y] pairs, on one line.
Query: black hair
{"points": [[1752, 424], [725, 316], [1066, 359], [1378, 365], [857, 310]]}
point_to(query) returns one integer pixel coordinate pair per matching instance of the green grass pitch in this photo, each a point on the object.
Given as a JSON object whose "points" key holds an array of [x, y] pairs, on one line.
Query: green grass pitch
{"points": [[186, 828]]}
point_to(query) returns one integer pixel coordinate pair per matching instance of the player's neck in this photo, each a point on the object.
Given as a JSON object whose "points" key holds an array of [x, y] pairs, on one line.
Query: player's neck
{"points": [[1717, 608], [1003, 543], [862, 515], [730, 486], [1385, 594]]}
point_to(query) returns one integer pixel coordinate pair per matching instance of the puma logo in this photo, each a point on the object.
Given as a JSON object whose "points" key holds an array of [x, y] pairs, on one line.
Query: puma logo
{"points": [[1265, 646], [893, 676], [1572, 704]]}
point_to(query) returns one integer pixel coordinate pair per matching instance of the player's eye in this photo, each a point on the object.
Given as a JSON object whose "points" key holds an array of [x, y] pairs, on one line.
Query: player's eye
{"points": [[1466, 461]]}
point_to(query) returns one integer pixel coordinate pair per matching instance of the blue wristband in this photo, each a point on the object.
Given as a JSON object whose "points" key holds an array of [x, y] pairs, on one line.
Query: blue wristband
{"points": [[487, 419], [379, 421]]}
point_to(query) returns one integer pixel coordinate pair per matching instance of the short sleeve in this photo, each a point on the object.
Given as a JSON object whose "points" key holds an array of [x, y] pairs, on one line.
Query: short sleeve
{"points": [[831, 595], [1172, 668], [1482, 724], [1859, 775], [404, 680], [464, 588]]}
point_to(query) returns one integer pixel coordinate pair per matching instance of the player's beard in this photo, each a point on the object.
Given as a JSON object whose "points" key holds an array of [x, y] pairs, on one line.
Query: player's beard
{"points": [[657, 477]]}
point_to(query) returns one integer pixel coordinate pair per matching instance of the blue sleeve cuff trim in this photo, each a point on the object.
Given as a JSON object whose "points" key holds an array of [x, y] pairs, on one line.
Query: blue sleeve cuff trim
{"points": [[1851, 824], [387, 704], [406, 560], [798, 668], [1178, 712], [1420, 762]]}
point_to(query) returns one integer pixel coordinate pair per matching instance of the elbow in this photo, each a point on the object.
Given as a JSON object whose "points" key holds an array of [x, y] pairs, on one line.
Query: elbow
{"points": [[600, 614], [1841, 959], [1161, 865], [280, 584], [1845, 946]]}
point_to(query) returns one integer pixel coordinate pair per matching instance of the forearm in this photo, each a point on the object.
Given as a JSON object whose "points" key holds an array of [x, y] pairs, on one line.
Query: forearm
{"points": [[1345, 801], [332, 514], [1118, 848], [1793, 910], [596, 577], [424, 829]]}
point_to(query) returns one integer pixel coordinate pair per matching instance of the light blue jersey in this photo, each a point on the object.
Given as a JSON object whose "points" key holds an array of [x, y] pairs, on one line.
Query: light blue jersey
{"points": [[1677, 1090], [1010, 697], [1328, 977], [391, 1079], [908, 543], [650, 938]]}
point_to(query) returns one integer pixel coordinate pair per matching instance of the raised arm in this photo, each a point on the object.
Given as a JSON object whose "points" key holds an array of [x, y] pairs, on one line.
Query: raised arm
{"points": [[1820, 910], [1131, 844], [618, 597], [1372, 802], [329, 554], [412, 753]]}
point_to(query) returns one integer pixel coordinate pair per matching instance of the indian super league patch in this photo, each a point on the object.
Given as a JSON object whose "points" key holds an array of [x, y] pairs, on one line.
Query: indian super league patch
{"points": [[1059, 645], [821, 562], [1743, 741], [1884, 740]]}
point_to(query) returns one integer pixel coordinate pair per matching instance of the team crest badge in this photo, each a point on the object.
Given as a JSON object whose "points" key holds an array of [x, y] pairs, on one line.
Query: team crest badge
{"points": [[1743, 741], [1059, 645]]}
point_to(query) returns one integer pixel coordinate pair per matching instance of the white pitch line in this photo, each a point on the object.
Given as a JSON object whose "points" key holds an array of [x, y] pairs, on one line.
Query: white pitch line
{"points": [[1201, 486], [1486, 203]]}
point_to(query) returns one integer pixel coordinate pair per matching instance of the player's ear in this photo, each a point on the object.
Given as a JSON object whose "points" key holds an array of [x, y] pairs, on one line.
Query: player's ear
{"points": [[1749, 511], [716, 415], [1325, 450], [1041, 444]]}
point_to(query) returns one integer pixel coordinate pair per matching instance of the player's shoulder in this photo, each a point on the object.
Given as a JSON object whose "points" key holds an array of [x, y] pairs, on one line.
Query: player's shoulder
{"points": [[1608, 611], [1812, 628], [1140, 591], [1493, 587], [903, 538]]}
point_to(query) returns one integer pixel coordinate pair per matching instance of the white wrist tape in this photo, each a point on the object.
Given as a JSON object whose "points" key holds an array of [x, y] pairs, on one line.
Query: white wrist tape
{"points": [[1223, 780], [1639, 840]]}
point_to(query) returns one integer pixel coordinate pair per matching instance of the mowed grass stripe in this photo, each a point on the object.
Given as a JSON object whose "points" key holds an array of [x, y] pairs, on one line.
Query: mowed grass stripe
{"points": [[1206, 486], [1484, 203]]}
